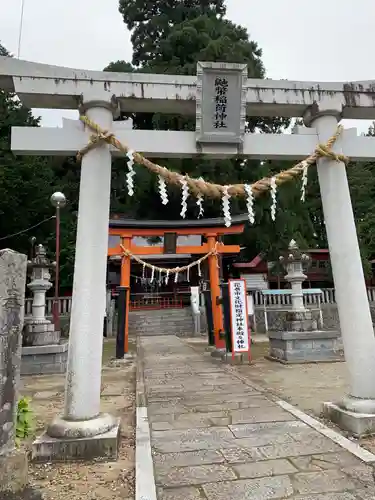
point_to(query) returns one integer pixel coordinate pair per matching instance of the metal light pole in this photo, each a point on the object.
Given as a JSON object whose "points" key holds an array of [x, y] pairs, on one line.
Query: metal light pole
{"points": [[32, 245], [58, 201]]}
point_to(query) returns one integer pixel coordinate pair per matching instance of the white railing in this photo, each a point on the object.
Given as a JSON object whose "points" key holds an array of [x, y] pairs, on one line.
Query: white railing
{"points": [[327, 297], [371, 294], [65, 305]]}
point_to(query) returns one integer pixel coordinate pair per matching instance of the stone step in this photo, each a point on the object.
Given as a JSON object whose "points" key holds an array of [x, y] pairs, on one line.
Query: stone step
{"points": [[161, 322]]}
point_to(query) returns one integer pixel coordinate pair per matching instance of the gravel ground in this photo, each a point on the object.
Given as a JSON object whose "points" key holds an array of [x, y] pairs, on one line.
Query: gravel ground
{"points": [[94, 480]]}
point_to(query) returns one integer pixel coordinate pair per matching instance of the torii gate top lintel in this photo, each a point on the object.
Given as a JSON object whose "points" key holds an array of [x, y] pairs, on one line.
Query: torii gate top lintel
{"points": [[126, 229], [46, 86]]}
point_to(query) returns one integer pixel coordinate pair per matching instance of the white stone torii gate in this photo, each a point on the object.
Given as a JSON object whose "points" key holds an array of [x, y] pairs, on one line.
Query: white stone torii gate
{"points": [[101, 95]]}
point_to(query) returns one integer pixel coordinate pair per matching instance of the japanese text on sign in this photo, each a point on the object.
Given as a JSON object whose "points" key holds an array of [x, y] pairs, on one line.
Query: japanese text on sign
{"points": [[239, 319], [221, 102]]}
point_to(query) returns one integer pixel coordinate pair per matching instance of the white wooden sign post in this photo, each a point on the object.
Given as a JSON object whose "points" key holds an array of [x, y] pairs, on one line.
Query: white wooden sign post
{"points": [[239, 322]]}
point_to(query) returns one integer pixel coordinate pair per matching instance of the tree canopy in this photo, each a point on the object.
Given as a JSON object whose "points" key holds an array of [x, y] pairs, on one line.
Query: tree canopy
{"points": [[152, 21], [171, 37], [24, 181], [26, 184]]}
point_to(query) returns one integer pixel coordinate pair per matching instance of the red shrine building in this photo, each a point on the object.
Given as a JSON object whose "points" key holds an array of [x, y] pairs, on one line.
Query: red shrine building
{"points": [[261, 274]]}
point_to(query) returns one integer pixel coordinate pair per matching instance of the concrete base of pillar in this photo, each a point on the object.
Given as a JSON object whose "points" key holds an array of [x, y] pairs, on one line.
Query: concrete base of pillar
{"points": [[304, 347], [46, 359], [358, 424], [13, 476], [83, 440], [28, 493], [217, 353], [210, 348], [238, 358]]}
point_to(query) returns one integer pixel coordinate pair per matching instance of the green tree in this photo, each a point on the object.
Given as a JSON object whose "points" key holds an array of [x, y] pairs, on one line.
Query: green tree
{"points": [[170, 37], [151, 21], [24, 181], [361, 178], [205, 38], [26, 184]]}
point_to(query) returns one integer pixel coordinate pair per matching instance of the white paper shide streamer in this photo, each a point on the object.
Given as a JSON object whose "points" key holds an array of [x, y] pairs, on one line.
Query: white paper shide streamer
{"points": [[226, 207], [250, 203], [273, 187], [185, 196], [305, 166], [163, 190], [131, 172], [199, 268], [200, 202], [200, 205]]}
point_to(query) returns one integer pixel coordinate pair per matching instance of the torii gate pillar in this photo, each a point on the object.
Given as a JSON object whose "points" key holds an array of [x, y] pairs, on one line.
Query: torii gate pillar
{"points": [[217, 313], [83, 430], [357, 412], [125, 281]]}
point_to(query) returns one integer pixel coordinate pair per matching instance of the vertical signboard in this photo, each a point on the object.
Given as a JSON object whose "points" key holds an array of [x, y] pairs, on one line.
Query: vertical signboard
{"points": [[238, 316], [221, 102], [170, 243]]}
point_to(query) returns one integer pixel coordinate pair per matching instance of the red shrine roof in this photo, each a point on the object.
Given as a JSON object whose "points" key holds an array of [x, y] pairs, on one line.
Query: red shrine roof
{"points": [[260, 258], [253, 263], [119, 221]]}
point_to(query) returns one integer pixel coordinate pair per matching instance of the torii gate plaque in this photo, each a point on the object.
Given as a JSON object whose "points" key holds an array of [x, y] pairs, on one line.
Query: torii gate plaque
{"points": [[102, 94]]}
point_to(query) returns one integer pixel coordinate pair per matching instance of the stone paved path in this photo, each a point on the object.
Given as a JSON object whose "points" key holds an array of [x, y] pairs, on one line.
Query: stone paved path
{"points": [[215, 438]]}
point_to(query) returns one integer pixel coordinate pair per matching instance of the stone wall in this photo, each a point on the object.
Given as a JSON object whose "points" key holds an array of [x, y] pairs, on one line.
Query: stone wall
{"points": [[44, 359], [12, 294]]}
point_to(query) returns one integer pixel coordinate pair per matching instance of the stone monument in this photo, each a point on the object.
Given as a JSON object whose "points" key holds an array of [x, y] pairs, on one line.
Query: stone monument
{"points": [[13, 464], [301, 341], [42, 351]]}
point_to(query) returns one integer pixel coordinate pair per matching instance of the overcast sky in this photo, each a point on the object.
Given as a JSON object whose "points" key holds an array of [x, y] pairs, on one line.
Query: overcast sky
{"points": [[319, 40]]}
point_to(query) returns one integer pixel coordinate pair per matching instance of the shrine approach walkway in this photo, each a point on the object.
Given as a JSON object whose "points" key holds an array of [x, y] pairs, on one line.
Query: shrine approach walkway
{"points": [[214, 437]]}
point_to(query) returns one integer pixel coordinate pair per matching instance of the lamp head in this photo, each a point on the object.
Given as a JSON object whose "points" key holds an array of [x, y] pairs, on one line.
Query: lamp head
{"points": [[58, 200]]}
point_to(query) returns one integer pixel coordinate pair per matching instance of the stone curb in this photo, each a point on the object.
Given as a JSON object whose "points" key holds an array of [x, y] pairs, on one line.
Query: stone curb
{"points": [[140, 393], [353, 448], [145, 488]]}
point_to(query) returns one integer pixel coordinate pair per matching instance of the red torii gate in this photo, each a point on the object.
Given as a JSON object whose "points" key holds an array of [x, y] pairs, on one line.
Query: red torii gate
{"points": [[211, 229]]}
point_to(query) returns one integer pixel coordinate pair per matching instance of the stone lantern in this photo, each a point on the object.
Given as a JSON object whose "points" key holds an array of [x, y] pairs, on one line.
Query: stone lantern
{"points": [[42, 351], [39, 268], [294, 261], [39, 330], [300, 341]]}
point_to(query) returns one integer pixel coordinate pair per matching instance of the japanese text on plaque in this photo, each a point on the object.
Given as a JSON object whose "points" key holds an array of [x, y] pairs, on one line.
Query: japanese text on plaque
{"points": [[221, 102], [239, 316]]}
